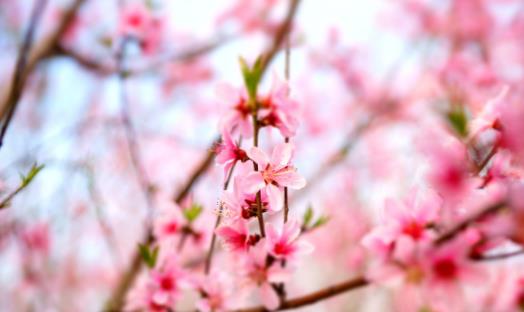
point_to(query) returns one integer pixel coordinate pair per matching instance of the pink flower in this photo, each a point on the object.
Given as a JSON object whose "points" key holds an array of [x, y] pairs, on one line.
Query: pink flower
{"points": [[159, 290], [238, 117], [134, 19], [273, 173], [229, 152], [168, 224], [407, 220], [216, 293], [260, 274], [238, 204], [278, 110], [283, 244], [236, 236], [138, 22], [36, 238]]}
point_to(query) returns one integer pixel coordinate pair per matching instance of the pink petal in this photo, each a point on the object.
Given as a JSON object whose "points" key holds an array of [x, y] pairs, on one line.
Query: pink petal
{"points": [[292, 180], [253, 182], [269, 297], [291, 231], [258, 156], [281, 155], [274, 196]]}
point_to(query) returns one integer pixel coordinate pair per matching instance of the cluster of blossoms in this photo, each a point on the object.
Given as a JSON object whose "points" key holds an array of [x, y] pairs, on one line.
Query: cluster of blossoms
{"points": [[268, 251]]}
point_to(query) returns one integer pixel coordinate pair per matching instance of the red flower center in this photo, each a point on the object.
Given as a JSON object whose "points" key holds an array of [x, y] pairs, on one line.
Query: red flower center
{"points": [[167, 283], [445, 269], [135, 20], [171, 228], [414, 230], [242, 108], [281, 248]]}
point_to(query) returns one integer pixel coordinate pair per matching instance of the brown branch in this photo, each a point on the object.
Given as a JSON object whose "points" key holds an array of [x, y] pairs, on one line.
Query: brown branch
{"points": [[316, 296], [280, 35], [17, 83], [500, 256], [105, 69], [459, 228], [39, 53]]}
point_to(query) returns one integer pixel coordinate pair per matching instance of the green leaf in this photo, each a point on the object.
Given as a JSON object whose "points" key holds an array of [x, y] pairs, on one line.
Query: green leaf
{"points": [[458, 120], [193, 212], [149, 256], [35, 169], [320, 221], [308, 216], [251, 76]]}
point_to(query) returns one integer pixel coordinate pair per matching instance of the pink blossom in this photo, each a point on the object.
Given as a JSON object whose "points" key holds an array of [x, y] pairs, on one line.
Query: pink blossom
{"points": [[407, 220], [258, 273], [235, 236], [238, 204], [168, 224], [278, 110], [216, 293], [36, 238], [274, 173], [238, 116], [228, 153], [284, 243], [160, 289]]}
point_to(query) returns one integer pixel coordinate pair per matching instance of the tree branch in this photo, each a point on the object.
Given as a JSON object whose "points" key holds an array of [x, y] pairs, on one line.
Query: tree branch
{"points": [[314, 297], [39, 53], [21, 64]]}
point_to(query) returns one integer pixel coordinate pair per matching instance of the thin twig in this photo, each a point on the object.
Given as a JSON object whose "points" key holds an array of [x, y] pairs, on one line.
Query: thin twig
{"points": [[459, 228], [21, 64], [42, 50], [500, 256], [209, 257], [104, 69]]}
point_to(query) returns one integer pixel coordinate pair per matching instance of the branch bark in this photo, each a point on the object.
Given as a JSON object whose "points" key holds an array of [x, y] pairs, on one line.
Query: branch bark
{"points": [[40, 52], [316, 296]]}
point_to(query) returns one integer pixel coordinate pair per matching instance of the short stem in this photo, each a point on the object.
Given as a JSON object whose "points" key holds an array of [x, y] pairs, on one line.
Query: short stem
{"points": [[260, 217], [209, 257]]}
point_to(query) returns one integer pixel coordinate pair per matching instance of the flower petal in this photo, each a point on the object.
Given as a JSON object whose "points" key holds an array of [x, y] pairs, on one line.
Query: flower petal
{"points": [[291, 179], [258, 156], [281, 155], [253, 182], [274, 197], [269, 297]]}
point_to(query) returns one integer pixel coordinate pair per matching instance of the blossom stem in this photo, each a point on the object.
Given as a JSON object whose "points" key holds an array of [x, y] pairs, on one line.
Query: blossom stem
{"points": [[209, 257], [316, 296], [260, 217]]}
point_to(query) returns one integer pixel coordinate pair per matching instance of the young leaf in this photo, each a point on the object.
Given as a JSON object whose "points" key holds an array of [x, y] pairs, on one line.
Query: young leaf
{"points": [[458, 120], [320, 221], [35, 169], [251, 76], [193, 212], [308, 216], [149, 256]]}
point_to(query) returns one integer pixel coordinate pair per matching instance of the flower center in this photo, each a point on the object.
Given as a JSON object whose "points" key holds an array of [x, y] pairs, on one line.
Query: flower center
{"points": [[445, 269], [414, 230], [167, 283]]}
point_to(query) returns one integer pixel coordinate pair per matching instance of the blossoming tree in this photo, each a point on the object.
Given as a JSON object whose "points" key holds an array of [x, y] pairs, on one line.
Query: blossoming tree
{"points": [[217, 156]]}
